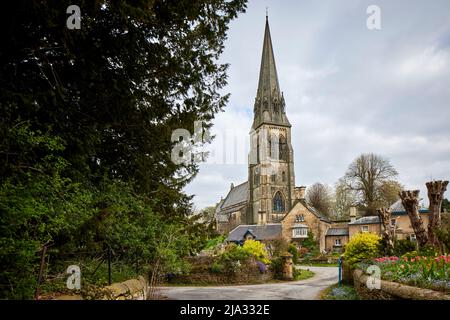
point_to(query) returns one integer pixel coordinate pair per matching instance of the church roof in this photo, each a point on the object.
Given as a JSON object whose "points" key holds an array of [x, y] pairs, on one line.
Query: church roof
{"points": [[236, 196], [260, 232]]}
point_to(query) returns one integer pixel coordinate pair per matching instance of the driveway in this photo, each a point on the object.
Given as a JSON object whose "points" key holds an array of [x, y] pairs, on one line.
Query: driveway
{"points": [[308, 289]]}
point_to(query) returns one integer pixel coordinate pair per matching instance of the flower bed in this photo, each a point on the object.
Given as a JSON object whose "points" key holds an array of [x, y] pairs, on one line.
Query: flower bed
{"points": [[420, 271]]}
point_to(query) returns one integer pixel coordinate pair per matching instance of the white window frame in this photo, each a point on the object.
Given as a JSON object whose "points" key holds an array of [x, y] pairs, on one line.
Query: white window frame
{"points": [[299, 233], [412, 237], [364, 229], [300, 218], [338, 242]]}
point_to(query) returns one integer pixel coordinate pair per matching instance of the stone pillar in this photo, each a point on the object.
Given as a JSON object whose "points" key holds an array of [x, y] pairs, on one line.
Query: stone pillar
{"points": [[287, 266]]}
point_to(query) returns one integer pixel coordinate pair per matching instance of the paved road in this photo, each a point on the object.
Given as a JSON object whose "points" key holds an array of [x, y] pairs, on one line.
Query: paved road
{"points": [[308, 289]]}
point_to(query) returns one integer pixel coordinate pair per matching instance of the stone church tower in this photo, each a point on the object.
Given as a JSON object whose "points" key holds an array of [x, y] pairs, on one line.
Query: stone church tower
{"points": [[271, 179]]}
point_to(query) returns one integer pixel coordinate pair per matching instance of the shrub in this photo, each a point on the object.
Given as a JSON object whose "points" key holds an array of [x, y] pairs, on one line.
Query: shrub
{"points": [[233, 257], [302, 252], [277, 247], [256, 249], [310, 243], [362, 246], [276, 266], [217, 268], [403, 246], [294, 251]]}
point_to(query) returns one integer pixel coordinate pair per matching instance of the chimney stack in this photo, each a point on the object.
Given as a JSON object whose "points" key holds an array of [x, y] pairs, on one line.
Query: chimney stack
{"points": [[352, 213], [300, 193], [232, 186]]}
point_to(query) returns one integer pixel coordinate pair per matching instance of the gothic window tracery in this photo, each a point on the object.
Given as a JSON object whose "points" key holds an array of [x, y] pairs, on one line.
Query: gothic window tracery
{"points": [[278, 203]]}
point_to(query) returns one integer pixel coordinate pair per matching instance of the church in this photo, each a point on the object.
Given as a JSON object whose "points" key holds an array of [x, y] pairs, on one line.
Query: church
{"points": [[268, 205]]}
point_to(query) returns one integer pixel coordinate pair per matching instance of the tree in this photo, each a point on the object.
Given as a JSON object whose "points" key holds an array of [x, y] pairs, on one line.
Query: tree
{"points": [[445, 205], [410, 201], [86, 122], [344, 198], [389, 193], [436, 191], [320, 197], [366, 175], [387, 235]]}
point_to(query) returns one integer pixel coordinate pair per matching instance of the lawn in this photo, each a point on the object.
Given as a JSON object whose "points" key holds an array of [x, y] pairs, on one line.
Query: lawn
{"points": [[318, 264], [301, 274]]}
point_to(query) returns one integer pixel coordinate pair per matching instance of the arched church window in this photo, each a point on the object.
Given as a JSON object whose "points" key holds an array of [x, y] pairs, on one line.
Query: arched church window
{"points": [[278, 203], [283, 176], [282, 145]]}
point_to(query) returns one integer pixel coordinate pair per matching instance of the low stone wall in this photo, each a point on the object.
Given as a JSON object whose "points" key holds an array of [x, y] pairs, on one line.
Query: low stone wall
{"points": [[393, 290], [221, 279], [133, 289]]}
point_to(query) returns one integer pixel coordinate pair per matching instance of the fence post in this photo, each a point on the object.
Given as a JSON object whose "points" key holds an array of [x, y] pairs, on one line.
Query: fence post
{"points": [[109, 265], [41, 270], [340, 271]]}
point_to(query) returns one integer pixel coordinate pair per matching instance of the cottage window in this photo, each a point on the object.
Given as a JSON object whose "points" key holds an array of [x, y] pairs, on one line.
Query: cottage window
{"points": [[412, 237], [299, 232], [365, 229], [337, 242], [299, 218]]}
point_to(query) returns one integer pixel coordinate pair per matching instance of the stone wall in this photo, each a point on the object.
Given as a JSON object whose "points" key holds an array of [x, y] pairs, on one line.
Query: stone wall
{"points": [[393, 290], [133, 289]]}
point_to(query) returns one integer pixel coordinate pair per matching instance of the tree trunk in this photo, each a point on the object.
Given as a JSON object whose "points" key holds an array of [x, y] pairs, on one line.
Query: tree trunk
{"points": [[385, 217], [436, 191], [410, 200]]}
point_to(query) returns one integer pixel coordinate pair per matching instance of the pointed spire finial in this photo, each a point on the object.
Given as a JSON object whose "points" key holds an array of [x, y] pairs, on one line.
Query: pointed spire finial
{"points": [[267, 13]]}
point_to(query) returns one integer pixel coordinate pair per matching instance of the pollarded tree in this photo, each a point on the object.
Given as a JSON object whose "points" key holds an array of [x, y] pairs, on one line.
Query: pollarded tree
{"points": [[366, 175], [436, 191], [387, 235], [410, 201]]}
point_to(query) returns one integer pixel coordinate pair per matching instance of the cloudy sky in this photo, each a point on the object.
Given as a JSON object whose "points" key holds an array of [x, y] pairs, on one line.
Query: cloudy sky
{"points": [[348, 90]]}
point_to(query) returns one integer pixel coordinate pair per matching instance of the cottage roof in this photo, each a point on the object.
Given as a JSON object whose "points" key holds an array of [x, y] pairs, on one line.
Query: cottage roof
{"points": [[366, 220], [337, 232], [261, 232], [397, 209]]}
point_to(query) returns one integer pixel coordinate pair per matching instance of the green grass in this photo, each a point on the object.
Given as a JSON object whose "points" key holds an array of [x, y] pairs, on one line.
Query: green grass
{"points": [[316, 264], [344, 292], [303, 274]]}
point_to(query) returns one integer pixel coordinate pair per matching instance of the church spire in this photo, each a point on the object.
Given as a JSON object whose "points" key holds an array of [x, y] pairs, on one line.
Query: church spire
{"points": [[269, 102]]}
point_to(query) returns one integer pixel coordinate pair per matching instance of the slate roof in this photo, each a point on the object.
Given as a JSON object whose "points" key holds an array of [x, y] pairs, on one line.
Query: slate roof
{"points": [[366, 220], [398, 209], [236, 196], [337, 232], [261, 232], [315, 212]]}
